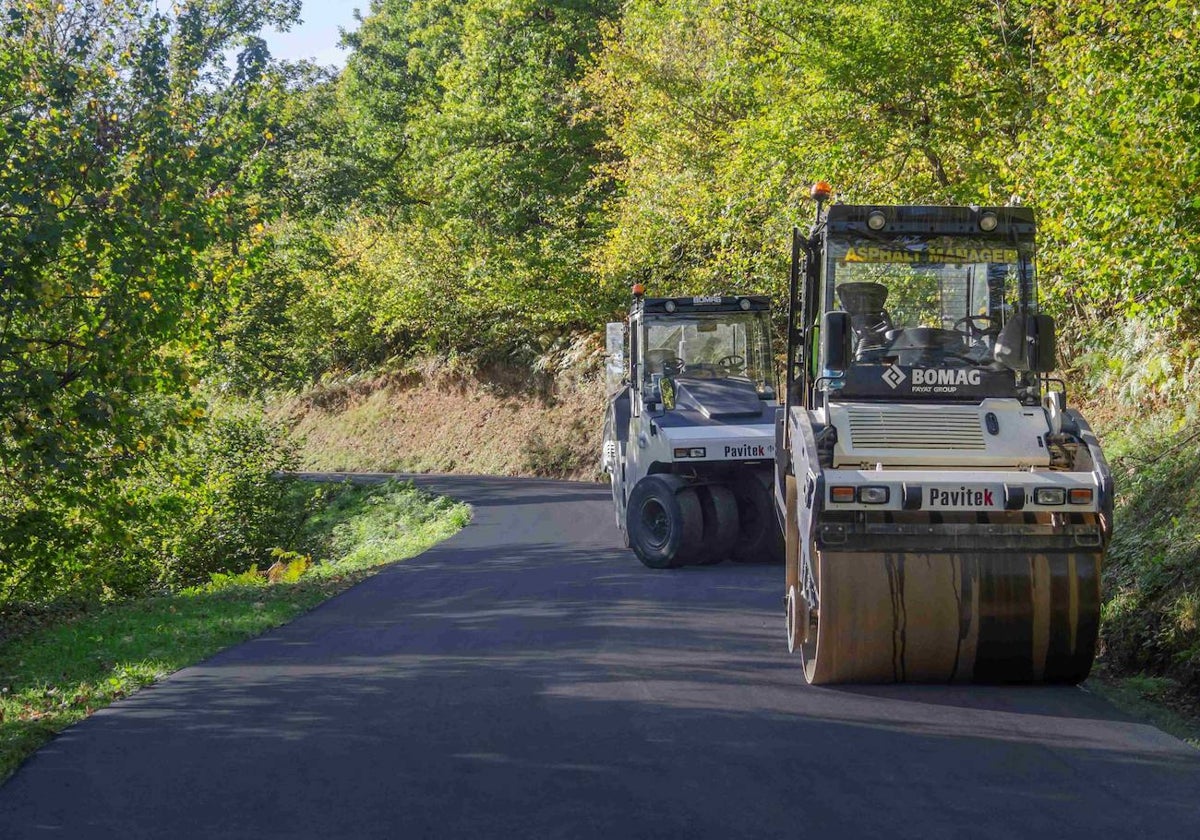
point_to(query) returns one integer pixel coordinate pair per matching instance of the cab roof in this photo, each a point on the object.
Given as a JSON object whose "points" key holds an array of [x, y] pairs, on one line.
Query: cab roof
{"points": [[1012, 222], [705, 303]]}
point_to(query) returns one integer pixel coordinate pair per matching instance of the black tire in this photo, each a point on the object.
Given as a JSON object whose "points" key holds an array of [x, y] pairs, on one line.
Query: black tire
{"points": [[759, 539], [664, 521], [721, 529]]}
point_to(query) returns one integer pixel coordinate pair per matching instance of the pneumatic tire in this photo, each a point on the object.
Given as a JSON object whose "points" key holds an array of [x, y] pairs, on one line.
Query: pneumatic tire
{"points": [[759, 538], [664, 522], [721, 530]]}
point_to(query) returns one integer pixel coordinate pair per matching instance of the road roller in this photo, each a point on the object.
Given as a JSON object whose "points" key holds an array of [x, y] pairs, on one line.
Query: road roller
{"points": [[689, 431], [945, 512]]}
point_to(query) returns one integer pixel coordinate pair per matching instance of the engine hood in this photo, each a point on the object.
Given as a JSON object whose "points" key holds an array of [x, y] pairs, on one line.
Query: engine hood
{"points": [[996, 433], [719, 399]]}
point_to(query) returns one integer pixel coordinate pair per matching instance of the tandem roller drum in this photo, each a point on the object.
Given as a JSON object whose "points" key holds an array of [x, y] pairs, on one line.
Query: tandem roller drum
{"points": [[947, 617]]}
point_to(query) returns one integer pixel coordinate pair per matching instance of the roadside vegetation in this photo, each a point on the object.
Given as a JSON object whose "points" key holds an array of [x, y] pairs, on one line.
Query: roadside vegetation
{"points": [[57, 668], [1151, 616], [499, 421]]}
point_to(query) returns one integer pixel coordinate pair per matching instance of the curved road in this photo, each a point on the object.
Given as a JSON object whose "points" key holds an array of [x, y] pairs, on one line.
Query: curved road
{"points": [[529, 679]]}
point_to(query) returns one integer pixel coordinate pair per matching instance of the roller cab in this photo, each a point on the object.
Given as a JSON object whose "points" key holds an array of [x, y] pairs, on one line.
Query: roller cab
{"points": [[946, 513]]}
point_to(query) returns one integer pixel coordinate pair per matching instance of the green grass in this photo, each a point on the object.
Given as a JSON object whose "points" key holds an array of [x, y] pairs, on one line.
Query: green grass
{"points": [[1151, 618], [1159, 701], [56, 675]]}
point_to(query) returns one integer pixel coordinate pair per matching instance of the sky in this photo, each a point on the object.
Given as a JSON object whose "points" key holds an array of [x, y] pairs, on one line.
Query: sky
{"points": [[317, 38]]}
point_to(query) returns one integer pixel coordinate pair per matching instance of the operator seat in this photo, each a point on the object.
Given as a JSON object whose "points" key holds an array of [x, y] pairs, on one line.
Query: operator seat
{"points": [[657, 361], [869, 321]]}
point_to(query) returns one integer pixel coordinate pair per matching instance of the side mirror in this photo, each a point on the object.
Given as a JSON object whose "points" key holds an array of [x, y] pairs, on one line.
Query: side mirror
{"points": [[835, 341], [1028, 344], [615, 371], [1040, 339], [667, 389]]}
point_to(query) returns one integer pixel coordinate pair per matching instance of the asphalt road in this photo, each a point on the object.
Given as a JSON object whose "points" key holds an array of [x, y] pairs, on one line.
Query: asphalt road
{"points": [[529, 678]]}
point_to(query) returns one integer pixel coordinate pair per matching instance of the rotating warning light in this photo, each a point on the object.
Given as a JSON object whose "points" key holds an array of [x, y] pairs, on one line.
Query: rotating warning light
{"points": [[821, 191], [638, 290]]}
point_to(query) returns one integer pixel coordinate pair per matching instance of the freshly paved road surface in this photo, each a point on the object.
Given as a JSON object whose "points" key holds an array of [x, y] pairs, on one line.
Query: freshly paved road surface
{"points": [[529, 679]]}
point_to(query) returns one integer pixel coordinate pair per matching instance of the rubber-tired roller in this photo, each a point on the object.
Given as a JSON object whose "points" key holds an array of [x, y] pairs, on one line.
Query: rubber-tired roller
{"points": [[945, 514], [689, 434]]}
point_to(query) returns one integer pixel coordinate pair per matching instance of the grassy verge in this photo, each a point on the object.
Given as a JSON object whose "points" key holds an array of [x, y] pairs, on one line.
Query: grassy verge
{"points": [[1160, 701], [55, 675], [1150, 659]]}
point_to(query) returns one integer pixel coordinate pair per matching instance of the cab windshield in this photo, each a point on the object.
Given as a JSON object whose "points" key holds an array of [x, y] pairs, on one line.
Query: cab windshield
{"points": [[932, 301], [718, 345]]}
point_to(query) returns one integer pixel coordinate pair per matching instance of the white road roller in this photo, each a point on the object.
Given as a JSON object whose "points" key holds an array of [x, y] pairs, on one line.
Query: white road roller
{"points": [[689, 434], [946, 514]]}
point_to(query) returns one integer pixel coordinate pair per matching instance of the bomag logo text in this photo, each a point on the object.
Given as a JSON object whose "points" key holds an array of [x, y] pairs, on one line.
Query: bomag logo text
{"points": [[746, 451], [945, 376]]}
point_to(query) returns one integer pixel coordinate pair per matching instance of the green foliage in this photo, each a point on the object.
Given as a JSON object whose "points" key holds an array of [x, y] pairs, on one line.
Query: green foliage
{"points": [[723, 113], [1152, 610], [441, 196], [289, 566], [1114, 164], [208, 503], [367, 526], [217, 505], [130, 153], [488, 175], [221, 580]]}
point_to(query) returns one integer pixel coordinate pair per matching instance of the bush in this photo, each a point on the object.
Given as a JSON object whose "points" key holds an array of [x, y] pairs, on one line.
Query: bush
{"points": [[209, 502], [219, 506], [1152, 580]]}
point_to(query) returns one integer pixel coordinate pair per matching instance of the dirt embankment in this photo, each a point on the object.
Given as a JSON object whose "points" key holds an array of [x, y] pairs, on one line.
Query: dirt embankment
{"points": [[500, 421]]}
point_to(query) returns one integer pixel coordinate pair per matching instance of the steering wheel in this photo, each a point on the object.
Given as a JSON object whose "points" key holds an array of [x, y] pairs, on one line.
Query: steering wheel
{"points": [[672, 366], [731, 362], [973, 330]]}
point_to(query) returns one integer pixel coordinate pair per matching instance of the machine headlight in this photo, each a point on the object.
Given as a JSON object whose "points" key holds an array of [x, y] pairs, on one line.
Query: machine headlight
{"points": [[745, 304], [669, 306], [876, 220], [1050, 496], [871, 495], [988, 222]]}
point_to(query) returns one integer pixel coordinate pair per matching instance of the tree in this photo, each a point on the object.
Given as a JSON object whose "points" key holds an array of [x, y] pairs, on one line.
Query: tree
{"points": [[129, 156], [724, 111]]}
